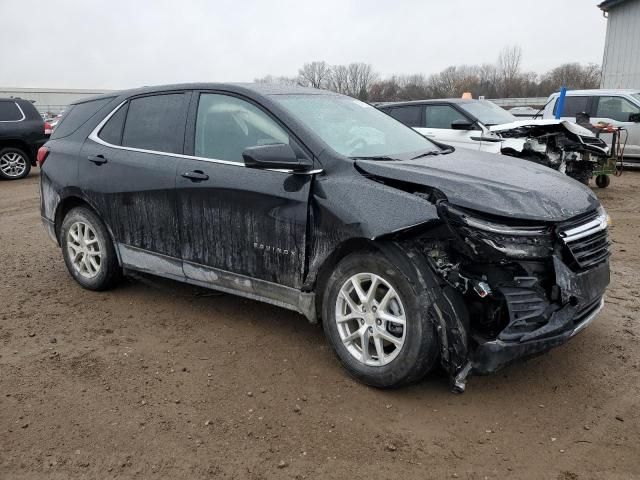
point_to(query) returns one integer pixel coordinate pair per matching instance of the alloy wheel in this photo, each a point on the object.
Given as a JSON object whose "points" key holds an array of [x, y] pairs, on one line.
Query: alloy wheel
{"points": [[371, 319], [84, 249], [13, 164]]}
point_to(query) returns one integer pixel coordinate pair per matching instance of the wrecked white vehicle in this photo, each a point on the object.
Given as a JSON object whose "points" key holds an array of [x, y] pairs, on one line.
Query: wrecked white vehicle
{"points": [[482, 125]]}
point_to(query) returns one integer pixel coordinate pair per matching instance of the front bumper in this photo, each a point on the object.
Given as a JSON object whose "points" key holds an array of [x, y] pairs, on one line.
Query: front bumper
{"points": [[496, 354], [582, 298]]}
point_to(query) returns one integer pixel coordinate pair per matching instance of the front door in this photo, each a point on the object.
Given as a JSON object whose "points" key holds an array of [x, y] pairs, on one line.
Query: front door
{"points": [[235, 220], [616, 111]]}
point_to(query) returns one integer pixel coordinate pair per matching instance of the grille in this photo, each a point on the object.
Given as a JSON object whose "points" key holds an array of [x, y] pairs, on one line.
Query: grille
{"points": [[587, 240], [590, 250]]}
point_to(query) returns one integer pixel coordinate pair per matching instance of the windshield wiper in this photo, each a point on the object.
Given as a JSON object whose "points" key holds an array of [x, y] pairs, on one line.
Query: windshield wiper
{"points": [[375, 157], [433, 152]]}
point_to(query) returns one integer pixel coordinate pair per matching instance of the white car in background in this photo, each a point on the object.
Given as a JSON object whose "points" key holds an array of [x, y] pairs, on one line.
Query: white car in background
{"points": [[619, 108], [483, 125]]}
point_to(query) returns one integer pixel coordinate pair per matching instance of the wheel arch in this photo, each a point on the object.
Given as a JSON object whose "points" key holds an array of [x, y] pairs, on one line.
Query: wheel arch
{"points": [[18, 143], [72, 201]]}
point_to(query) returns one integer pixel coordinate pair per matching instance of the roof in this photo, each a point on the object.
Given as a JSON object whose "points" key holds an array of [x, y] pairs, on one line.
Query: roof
{"points": [[434, 100], [609, 4], [259, 88], [599, 91]]}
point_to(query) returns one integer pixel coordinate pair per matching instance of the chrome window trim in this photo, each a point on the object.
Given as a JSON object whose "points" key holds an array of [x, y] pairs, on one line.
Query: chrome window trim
{"points": [[94, 137], [16, 121]]}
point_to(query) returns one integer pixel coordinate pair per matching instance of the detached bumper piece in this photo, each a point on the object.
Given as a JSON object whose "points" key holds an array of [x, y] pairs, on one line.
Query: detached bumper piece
{"points": [[536, 324]]}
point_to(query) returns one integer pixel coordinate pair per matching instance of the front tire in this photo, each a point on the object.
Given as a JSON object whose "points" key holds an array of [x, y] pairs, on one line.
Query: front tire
{"points": [[88, 250], [603, 181], [14, 163], [373, 321]]}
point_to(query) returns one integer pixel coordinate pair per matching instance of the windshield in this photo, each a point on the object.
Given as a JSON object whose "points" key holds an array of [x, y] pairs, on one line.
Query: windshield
{"points": [[354, 128], [636, 96], [488, 112]]}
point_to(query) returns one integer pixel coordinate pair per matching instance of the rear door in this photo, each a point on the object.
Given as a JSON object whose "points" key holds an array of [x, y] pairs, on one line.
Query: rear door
{"points": [[127, 171], [616, 110], [236, 221], [438, 120]]}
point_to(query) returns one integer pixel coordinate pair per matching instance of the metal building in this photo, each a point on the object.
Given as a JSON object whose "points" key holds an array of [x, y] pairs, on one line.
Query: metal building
{"points": [[621, 62], [49, 100]]}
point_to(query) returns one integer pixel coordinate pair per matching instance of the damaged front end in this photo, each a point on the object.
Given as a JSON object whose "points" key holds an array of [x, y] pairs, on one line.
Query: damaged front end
{"points": [[516, 289], [561, 145]]}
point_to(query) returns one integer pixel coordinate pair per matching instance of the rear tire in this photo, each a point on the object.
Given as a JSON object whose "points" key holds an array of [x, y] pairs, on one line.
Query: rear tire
{"points": [[88, 250], [401, 343], [14, 163]]}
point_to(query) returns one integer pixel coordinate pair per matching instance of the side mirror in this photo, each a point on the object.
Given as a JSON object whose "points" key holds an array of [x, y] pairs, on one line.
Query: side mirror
{"points": [[461, 125], [275, 155], [634, 117]]}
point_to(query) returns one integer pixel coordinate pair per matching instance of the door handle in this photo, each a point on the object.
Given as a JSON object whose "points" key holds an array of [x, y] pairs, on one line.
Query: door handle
{"points": [[97, 159], [196, 175]]}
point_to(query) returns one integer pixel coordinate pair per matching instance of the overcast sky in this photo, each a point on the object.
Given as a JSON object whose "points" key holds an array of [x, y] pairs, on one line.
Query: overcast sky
{"points": [[127, 43]]}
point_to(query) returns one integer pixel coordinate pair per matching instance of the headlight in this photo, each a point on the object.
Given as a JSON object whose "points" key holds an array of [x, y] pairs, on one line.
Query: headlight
{"points": [[602, 213], [513, 241]]}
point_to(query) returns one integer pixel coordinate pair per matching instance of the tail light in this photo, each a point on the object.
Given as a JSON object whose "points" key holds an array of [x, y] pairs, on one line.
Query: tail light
{"points": [[43, 153], [48, 129]]}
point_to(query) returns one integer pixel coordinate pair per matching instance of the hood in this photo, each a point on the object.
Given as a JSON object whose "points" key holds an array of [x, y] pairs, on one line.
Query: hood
{"points": [[549, 125], [493, 184]]}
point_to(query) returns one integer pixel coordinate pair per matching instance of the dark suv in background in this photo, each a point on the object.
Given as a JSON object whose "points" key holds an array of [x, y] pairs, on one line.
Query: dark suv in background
{"points": [[21, 135], [322, 204]]}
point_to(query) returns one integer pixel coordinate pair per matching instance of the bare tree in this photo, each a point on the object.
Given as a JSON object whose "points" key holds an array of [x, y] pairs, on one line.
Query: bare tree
{"points": [[314, 74], [509, 69], [339, 79], [502, 79], [574, 75], [360, 76]]}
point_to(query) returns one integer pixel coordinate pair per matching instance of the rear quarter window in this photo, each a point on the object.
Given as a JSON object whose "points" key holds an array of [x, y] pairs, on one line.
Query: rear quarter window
{"points": [[77, 115], [9, 112]]}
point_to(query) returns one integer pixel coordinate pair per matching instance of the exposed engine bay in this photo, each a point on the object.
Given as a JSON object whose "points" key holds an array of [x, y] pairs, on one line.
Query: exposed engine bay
{"points": [[561, 145], [511, 290]]}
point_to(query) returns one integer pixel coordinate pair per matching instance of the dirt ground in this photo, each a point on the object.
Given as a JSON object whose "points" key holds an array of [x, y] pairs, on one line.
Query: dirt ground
{"points": [[160, 380]]}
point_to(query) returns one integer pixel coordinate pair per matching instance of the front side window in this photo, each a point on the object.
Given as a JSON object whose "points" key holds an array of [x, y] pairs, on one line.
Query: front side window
{"points": [[156, 123], [572, 106], [227, 125], [616, 108], [353, 128], [442, 116], [410, 116], [9, 112]]}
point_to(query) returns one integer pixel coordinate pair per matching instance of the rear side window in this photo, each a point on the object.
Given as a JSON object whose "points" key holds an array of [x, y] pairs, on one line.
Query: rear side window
{"points": [[573, 106], [112, 130], [9, 112], [410, 116], [77, 115], [156, 123], [442, 116]]}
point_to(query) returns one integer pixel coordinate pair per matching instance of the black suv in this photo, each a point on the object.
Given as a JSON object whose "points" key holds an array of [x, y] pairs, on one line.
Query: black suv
{"points": [[21, 135], [322, 204]]}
